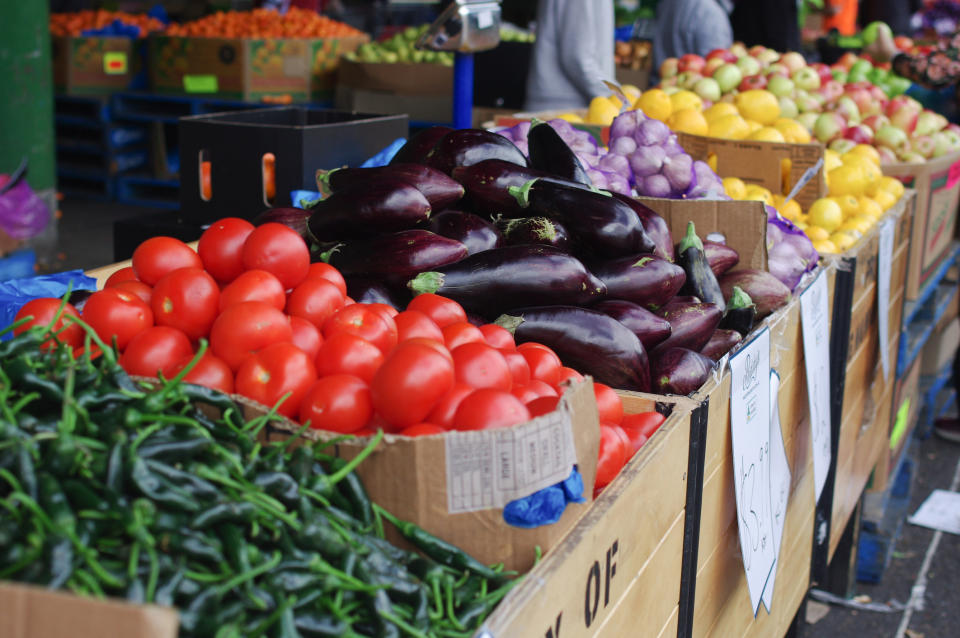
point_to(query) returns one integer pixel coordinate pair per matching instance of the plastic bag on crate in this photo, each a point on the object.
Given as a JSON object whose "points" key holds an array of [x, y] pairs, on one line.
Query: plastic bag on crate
{"points": [[22, 213]]}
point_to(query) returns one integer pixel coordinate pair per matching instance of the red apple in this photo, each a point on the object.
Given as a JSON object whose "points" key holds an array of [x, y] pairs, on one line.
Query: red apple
{"points": [[712, 65], [669, 68], [793, 61], [777, 69], [953, 127], [691, 62], [905, 119], [903, 43], [756, 50], [876, 120], [923, 144], [724, 54], [753, 82], [859, 134], [828, 127], [895, 104], [893, 138], [831, 90], [841, 145], [738, 49], [886, 155], [823, 71], [864, 101], [846, 60]]}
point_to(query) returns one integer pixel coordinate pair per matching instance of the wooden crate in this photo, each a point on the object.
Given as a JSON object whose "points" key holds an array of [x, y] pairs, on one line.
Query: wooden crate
{"points": [[618, 570]]}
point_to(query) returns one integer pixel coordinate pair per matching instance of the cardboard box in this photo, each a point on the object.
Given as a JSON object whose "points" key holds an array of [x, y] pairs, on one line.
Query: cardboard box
{"points": [[941, 348], [97, 65], [302, 69], [422, 91], [27, 611], [763, 163], [639, 78], [937, 183]]}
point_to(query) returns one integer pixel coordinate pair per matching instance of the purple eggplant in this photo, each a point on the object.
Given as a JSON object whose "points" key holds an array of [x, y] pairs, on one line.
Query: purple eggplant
{"points": [[679, 371], [586, 340], [691, 325], [603, 226], [294, 218], [384, 206], [741, 312], [644, 279], [78, 298], [648, 327], [474, 232], [701, 282], [395, 256], [549, 153], [766, 291], [419, 145], [373, 290], [720, 257], [439, 189], [487, 183], [721, 342], [493, 281], [465, 147], [655, 226], [535, 230]]}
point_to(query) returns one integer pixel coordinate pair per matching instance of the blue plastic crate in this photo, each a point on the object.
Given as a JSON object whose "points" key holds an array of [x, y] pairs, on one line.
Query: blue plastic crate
{"points": [[878, 538]]}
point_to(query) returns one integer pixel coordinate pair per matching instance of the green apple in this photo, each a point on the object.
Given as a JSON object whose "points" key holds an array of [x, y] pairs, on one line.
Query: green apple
{"points": [[728, 77]]}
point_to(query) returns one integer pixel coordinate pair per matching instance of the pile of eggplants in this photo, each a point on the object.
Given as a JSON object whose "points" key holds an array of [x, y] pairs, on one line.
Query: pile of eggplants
{"points": [[524, 239]]}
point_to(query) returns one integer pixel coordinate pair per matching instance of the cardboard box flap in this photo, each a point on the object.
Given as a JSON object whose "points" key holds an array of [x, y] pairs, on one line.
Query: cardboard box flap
{"points": [[400, 77]]}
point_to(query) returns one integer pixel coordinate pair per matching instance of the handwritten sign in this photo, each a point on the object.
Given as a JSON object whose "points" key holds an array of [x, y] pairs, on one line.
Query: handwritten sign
{"points": [[815, 324], [779, 484], [750, 434], [883, 291]]}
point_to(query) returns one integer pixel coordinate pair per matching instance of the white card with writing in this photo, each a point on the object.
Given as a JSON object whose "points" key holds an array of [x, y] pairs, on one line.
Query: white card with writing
{"points": [[750, 434], [779, 483], [815, 324], [884, 258]]}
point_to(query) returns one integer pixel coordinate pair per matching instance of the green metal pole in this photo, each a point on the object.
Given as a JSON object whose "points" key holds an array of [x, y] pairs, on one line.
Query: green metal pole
{"points": [[26, 106]]}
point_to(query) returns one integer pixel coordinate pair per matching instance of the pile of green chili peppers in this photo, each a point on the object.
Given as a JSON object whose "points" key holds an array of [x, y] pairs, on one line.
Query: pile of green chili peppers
{"points": [[114, 487]]}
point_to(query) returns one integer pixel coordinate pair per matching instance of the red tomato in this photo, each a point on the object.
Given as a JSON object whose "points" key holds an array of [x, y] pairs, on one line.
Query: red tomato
{"points": [[305, 336], [158, 256], [544, 364], [443, 413], [636, 437], [542, 405], [246, 327], [645, 423], [489, 409], [156, 349], [498, 337], [274, 371], [316, 300], [612, 457], [412, 379], [279, 250], [113, 312], [138, 288], [360, 320], [609, 403], [481, 366], [254, 285], [210, 371], [411, 323], [436, 345], [386, 310], [519, 368], [346, 353], [568, 374], [461, 332], [421, 429], [533, 390], [443, 311], [338, 403], [43, 310], [221, 247], [124, 274], [186, 299], [321, 270]]}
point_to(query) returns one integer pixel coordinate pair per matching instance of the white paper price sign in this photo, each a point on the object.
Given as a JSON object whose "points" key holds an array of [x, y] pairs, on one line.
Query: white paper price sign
{"points": [[779, 484], [883, 291], [815, 323], [750, 434]]}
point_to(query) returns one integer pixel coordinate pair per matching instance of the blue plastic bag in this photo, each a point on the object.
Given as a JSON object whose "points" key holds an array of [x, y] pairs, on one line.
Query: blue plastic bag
{"points": [[545, 506], [383, 157], [16, 292]]}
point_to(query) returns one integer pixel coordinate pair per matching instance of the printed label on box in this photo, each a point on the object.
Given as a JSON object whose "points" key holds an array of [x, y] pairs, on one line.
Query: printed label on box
{"points": [[488, 469], [200, 83], [114, 62], [953, 176]]}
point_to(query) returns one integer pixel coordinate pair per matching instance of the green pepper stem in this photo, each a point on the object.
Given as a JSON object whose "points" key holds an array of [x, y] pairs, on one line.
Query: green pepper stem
{"points": [[340, 474], [251, 574]]}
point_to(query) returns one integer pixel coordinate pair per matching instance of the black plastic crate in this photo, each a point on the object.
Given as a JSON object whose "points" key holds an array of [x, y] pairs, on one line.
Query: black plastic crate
{"points": [[131, 232], [301, 140]]}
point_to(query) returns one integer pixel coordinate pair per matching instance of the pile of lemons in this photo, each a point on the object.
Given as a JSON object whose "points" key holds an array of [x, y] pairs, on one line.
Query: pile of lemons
{"points": [[858, 196]]}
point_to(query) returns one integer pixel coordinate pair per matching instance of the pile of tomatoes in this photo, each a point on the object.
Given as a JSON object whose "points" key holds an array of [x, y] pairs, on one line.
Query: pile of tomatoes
{"points": [[75, 23], [283, 332], [264, 23]]}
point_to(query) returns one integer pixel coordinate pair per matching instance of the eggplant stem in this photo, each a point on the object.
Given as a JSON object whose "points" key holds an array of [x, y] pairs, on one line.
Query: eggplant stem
{"points": [[509, 322], [690, 240], [426, 282]]}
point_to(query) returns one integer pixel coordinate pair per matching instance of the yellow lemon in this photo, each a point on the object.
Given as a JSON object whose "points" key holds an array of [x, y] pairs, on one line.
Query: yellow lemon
{"points": [[602, 111], [871, 172], [815, 233], [571, 117], [792, 131], [843, 240], [766, 134], [825, 246], [866, 151], [855, 225], [753, 125], [688, 121], [734, 188], [630, 91], [759, 105], [686, 100], [718, 110], [731, 127], [847, 180], [884, 198], [826, 213], [802, 225], [655, 103], [759, 193], [849, 204], [865, 222], [791, 210], [870, 208], [892, 185], [831, 160]]}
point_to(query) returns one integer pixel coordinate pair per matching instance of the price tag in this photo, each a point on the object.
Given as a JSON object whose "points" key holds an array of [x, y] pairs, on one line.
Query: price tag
{"points": [[750, 433], [114, 62], [815, 323], [779, 483], [200, 83], [883, 291]]}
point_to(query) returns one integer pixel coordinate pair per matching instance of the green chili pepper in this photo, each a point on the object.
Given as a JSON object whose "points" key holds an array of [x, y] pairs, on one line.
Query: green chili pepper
{"points": [[225, 513], [160, 489]]}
